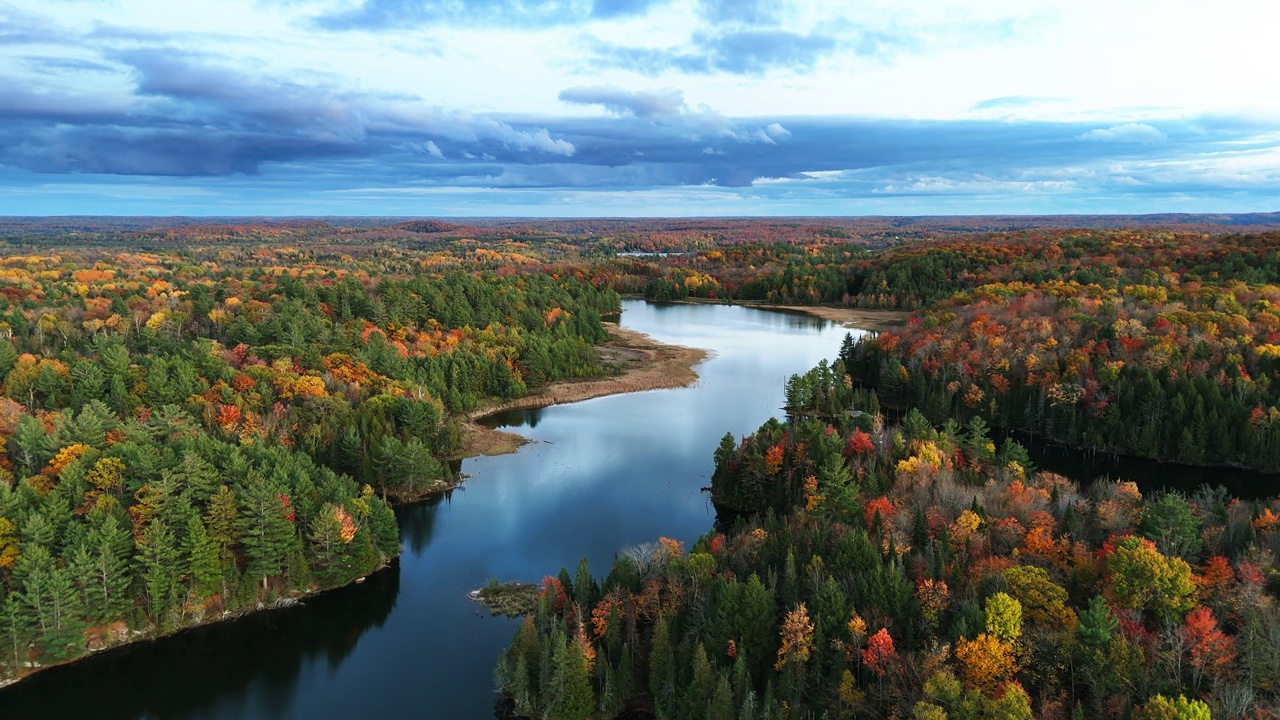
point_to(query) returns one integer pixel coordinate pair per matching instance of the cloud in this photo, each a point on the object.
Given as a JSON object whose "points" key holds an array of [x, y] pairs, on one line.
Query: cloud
{"points": [[751, 12], [428, 148], [608, 9], [755, 51], [650, 103], [18, 27], [1008, 101], [191, 118], [188, 116], [391, 14], [743, 52], [1135, 133]]}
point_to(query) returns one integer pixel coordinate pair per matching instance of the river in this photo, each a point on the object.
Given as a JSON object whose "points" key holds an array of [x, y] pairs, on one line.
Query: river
{"points": [[598, 476]]}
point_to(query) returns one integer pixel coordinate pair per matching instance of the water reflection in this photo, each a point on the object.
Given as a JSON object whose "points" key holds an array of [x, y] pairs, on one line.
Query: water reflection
{"points": [[1150, 476], [598, 476], [418, 523], [242, 668]]}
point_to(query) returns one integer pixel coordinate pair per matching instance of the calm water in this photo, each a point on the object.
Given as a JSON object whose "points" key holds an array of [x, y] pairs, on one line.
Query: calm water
{"points": [[598, 476]]}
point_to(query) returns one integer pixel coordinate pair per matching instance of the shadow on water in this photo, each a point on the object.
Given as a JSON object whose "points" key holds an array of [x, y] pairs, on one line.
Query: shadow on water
{"points": [[1150, 476], [266, 650], [1084, 467], [418, 522], [769, 316], [513, 419]]}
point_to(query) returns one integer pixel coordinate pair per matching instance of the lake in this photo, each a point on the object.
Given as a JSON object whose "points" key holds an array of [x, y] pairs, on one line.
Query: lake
{"points": [[597, 477]]}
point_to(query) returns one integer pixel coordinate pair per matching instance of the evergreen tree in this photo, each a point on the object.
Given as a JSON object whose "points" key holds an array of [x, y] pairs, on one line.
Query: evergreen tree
{"points": [[661, 667], [576, 698], [17, 625], [266, 528], [106, 574], [201, 554], [159, 556], [756, 626]]}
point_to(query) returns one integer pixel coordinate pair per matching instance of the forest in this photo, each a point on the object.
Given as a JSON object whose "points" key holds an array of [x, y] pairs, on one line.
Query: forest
{"points": [[887, 550], [201, 418], [1159, 347], [195, 432], [866, 569]]}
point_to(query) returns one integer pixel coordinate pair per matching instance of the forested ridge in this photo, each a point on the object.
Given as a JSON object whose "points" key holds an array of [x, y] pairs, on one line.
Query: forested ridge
{"points": [[924, 570], [915, 571], [201, 430], [200, 419], [1160, 348]]}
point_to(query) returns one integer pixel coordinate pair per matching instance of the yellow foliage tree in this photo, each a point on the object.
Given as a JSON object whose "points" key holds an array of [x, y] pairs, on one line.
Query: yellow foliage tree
{"points": [[985, 662], [66, 456], [796, 637]]}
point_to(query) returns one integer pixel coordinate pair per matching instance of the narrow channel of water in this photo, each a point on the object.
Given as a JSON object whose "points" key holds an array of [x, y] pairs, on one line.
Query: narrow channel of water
{"points": [[407, 643]]}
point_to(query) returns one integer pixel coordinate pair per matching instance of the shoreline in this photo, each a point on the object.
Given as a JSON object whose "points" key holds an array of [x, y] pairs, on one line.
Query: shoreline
{"points": [[646, 364], [873, 319], [859, 318], [139, 638]]}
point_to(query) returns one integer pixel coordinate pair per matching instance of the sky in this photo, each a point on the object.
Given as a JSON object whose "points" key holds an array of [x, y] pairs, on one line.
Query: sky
{"points": [[559, 108]]}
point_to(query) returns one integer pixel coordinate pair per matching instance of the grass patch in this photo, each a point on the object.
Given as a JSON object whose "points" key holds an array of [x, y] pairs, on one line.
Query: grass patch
{"points": [[512, 599]]}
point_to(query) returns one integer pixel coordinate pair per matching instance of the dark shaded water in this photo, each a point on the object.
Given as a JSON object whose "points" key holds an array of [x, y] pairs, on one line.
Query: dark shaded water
{"points": [[407, 643], [1148, 474]]}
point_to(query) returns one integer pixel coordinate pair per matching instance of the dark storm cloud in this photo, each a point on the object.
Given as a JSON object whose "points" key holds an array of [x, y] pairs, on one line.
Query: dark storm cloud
{"points": [[748, 52], [648, 103]]}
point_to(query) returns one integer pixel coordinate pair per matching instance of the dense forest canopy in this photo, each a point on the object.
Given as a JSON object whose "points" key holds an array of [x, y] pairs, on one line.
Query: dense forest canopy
{"points": [[201, 417], [862, 569], [197, 430]]}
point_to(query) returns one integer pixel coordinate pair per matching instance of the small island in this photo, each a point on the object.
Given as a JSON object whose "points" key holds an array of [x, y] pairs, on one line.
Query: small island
{"points": [[513, 599]]}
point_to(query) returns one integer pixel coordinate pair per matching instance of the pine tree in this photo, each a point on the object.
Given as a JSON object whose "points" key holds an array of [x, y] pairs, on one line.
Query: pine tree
{"points": [[327, 545], [576, 699], [414, 468], [348, 450], [721, 706], [17, 625], [266, 529], [383, 529], [159, 556], [102, 569], [66, 638], [660, 667], [198, 478], [221, 524], [28, 443], [756, 626], [697, 693], [52, 601], [201, 554]]}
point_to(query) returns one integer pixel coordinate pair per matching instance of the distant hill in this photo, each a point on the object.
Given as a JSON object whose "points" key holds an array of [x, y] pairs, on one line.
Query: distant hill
{"points": [[629, 233]]}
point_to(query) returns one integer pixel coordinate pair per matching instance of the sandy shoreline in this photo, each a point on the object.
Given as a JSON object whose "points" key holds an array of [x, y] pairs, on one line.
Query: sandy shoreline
{"points": [[646, 365], [849, 317]]}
